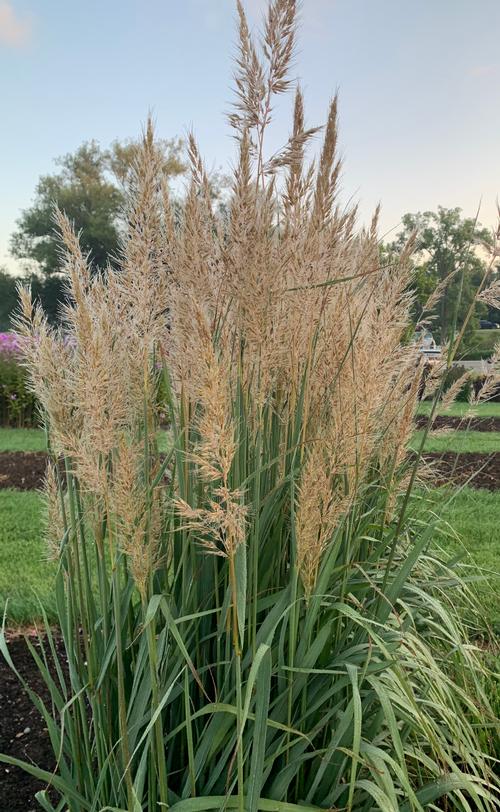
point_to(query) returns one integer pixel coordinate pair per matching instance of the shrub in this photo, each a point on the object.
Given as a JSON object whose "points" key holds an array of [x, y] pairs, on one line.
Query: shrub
{"points": [[482, 345], [455, 374], [464, 385], [258, 620], [474, 385], [478, 384], [17, 402]]}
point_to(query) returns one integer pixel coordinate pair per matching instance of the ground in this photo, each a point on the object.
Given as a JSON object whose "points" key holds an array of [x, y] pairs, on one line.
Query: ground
{"points": [[474, 519], [462, 442], [22, 440], [22, 732], [26, 576]]}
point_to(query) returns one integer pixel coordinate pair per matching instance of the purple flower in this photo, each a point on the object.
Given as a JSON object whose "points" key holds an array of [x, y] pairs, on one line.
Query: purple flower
{"points": [[9, 344]]}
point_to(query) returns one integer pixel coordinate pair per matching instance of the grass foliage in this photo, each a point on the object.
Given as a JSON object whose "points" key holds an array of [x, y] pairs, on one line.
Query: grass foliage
{"points": [[27, 578], [258, 620], [22, 440], [463, 442], [462, 409], [473, 518]]}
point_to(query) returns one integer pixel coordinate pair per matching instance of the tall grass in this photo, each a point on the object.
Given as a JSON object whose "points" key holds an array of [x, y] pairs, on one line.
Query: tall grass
{"points": [[255, 620]]}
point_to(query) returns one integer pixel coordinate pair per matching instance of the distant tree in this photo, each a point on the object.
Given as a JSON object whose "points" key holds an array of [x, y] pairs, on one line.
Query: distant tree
{"points": [[49, 291], [91, 199], [90, 188], [446, 249], [120, 157], [8, 299]]}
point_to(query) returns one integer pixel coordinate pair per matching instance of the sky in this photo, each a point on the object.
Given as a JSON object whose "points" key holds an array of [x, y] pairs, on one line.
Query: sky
{"points": [[418, 82]]}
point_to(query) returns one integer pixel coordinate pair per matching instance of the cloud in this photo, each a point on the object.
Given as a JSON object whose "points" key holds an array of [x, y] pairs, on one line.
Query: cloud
{"points": [[15, 31], [480, 71]]}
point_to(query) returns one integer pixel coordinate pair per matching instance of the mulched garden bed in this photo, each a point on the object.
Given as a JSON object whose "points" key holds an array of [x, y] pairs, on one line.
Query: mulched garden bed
{"points": [[23, 470], [443, 421], [23, 733], [476, 469]]}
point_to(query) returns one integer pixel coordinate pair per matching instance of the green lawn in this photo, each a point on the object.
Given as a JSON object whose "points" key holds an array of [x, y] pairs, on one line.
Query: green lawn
{"points": [[474, 516], [26, 577], [458, 409], [22, 440], [34, 440], [484, 442]]}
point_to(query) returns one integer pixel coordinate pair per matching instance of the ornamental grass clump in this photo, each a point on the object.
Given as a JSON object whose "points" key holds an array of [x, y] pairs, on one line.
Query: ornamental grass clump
{"points": [[257, 618]]}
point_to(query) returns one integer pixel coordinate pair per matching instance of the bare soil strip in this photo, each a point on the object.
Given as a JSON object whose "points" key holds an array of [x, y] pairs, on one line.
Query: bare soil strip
{"points": [[443, 421], [22, 731], [25, 470], [474, 469]]}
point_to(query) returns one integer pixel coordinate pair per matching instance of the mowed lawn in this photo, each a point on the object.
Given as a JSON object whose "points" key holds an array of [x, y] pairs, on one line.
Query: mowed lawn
{"points": [[35, 440], [26, 576], [464, 440], [22, 440], [459, 409], [474, 520], [443, 440]]}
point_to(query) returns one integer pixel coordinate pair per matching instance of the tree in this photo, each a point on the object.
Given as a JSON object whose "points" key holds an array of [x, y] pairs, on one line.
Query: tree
{"points": [[8, 299], [90, 188], [446, 249], [47, 290], [121, 156]]}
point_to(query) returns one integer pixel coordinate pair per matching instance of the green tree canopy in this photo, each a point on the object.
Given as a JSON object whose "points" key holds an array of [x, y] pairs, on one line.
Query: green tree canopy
{"points": [[48, 290], [90, 188], [8, 299], [120, 157], [446, 249]]}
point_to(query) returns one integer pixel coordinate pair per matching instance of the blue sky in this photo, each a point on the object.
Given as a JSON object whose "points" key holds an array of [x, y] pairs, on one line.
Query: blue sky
{"points": [[419, 84]]}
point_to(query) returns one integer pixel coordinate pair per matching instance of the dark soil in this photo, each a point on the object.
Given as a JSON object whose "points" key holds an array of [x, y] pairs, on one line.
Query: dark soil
{"points": [[476, 469], [23, 470], [23, 733], [461, 423]]}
